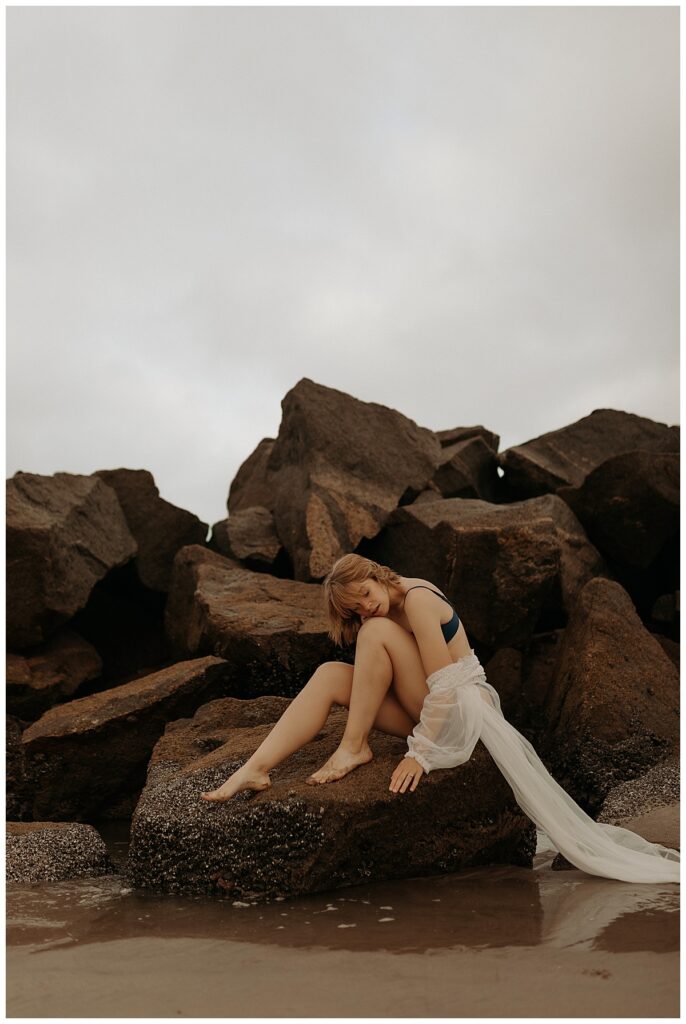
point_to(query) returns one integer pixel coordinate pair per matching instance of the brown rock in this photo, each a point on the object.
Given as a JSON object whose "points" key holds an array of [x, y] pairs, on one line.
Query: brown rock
{"points": [[613, 706], [337, 469], [88, 753], [249, 538], [64, 533], [18, 786], [158, 527], [629, 505], [272, 632], [502, 565], [52, 851], [468, 469], [523, 679], [566, 456], [297, 838], [50, 673], [454, 435]]}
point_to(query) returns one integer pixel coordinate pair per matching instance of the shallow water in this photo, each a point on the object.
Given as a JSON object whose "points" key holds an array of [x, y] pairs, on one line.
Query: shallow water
{"points": [[487, 941]]}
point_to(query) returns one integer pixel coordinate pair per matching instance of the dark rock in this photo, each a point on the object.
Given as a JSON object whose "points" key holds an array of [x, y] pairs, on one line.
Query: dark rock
{"points": [[297, 838], [672, 650], [50, 673], [523, 679], [249, 538], [468, 469], [159, 528], [629, 505], [337, 469], [502, 565], [565, 457], [52, 851], [87, 754], [18, 786], [64, 533], [454, 435], [272, 632], [613, 706]]}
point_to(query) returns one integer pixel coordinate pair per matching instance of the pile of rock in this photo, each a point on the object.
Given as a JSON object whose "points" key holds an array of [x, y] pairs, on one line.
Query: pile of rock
{"points": [[146, 661]]}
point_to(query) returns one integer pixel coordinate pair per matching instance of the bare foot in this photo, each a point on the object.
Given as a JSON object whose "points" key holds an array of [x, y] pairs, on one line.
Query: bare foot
{"points": [[339, 764], [243, 778]]}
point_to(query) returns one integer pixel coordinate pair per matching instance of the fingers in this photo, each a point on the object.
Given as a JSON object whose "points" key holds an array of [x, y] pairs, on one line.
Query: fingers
{"points": [[403, 781]]}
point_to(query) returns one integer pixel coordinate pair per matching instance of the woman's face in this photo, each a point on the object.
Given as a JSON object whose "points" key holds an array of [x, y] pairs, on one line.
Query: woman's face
{"points": [[368, 599]]}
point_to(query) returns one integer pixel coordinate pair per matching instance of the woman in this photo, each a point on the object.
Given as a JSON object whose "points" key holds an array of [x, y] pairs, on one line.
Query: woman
{"points": [[416, 676]]}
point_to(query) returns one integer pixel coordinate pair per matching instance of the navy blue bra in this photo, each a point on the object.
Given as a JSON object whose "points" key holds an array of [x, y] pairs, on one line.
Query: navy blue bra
{"points": [[448, 628]]}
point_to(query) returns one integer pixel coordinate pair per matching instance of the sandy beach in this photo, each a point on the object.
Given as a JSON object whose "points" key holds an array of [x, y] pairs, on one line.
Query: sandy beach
{"points": [[491, 941]]}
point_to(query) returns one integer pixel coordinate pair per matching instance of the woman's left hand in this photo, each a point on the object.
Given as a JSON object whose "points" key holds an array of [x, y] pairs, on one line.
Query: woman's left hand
{"points": [[408, 773]]}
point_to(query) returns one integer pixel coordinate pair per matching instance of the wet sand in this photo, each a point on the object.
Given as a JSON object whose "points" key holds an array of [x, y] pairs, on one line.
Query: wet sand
{"points": [[490, 941]]}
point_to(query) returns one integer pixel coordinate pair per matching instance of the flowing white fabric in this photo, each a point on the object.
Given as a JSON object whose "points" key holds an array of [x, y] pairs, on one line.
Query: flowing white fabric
{"points": [[457, 713]]}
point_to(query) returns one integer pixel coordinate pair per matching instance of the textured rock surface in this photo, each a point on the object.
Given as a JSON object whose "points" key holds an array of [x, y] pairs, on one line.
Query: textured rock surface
{"points": [[337, 469], [64, 533], [295, 838], [271, 631], [88, 753], [158, 527], [564, 457], [613, 707], [502, 565], [249, 538], [468, 469], [52, 851], [50, 673]]}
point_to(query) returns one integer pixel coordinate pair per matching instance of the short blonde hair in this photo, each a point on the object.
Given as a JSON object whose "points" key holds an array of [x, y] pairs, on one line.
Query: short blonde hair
{"points": [[344, 624]]}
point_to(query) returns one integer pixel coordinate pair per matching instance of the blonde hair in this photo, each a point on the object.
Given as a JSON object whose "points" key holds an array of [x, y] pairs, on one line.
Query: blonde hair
{"points": [[344, 624]]}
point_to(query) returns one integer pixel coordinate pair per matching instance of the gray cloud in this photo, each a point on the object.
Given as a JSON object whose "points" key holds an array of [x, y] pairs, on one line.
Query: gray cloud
{"points": [[469, 214]]}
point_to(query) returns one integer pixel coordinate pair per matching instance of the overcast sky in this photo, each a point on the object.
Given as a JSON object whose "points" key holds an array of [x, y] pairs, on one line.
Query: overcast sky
{"points": [[468, 214]]}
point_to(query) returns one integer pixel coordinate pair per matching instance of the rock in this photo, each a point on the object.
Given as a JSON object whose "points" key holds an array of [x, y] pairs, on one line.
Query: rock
{"points": [[50, 673], [89, 753], [52, 851], [64, 533], [337, 469], [272, 632], [158, 527], [672, 650], [565, 457], [18, 788], [468, 469], [629, 506], [297, 838], [454, 435], [248, 537], [523, 679], [613, 705], [648, 806], [502, 565]]}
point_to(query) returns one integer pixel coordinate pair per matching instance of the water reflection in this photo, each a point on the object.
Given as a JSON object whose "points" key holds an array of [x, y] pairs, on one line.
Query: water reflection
{"points": [[479, 908]]}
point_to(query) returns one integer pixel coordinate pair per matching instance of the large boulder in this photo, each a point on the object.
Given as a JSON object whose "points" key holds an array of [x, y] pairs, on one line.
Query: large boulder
{"points": [[249, 538], [468, 469], [86, 754], [503, 566], [565, 457], [272, 632], [18, 784], [64, 533], [158, 527], [50, 673], [297, 838], [523, 678], [337, 469], [52, 851], [613, 705]]}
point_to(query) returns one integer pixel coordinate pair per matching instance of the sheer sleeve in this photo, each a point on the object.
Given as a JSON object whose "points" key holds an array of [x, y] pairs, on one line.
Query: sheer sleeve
{"points": [[450, 722]]}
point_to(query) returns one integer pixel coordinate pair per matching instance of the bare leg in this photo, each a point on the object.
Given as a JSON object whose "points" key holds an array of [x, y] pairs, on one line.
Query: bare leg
{"points": [[372, 676], [304, 717]]}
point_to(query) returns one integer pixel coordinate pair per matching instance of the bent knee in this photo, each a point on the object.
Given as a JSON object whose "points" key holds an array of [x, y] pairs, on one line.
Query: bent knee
{"points": [[377, 628], [337, 676]]}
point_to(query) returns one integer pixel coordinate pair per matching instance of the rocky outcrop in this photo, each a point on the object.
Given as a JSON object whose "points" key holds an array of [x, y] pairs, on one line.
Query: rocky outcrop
{"points": [[468, 469], [50, 673], [296, 838], [272, 632], [565, 457], [88, 753], [523, 678], [502, 565], [52, 851], [335, 472], [612, 709], [64, 533], [158, 527], [249, 538]]}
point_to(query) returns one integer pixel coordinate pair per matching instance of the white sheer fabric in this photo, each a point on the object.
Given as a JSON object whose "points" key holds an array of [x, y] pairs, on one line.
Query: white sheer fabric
{"points": [[457, 713]]}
